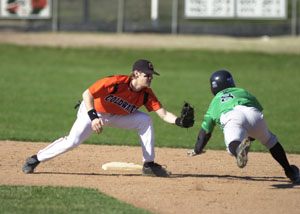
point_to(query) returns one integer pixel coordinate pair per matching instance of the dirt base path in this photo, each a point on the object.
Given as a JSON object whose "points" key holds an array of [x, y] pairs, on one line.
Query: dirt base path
{"points": [[208, 183]]}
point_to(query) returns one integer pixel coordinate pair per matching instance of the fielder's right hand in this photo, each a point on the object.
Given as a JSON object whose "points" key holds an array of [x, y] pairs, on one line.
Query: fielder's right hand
{"points": [[97, 125]]}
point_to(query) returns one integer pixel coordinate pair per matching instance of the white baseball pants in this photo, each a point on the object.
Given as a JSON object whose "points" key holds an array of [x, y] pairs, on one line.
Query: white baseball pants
{"points": [[245, 121], [82, 129]]}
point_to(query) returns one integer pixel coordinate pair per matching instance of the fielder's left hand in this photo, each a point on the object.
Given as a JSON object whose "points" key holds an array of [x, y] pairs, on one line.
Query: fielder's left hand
{"points": [[186, 119]]}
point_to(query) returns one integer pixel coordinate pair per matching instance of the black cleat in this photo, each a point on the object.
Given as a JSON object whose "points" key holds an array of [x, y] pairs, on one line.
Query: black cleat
{"points": [[30, 164], [293, 175], [154, 169]]}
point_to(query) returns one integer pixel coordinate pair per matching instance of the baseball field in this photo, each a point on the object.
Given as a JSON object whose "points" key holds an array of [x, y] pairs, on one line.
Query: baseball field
{"points": [[43, 76]]}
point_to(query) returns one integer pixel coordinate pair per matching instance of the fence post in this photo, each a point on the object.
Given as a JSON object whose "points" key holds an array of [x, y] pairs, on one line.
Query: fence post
{"points": [[86, 11], [154, 12], [174, 16], [54, 15], [294, 18], [120, 21]]}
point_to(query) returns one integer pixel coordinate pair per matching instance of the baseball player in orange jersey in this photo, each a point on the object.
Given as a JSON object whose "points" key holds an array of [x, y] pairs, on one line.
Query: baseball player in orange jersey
{"points": [[114, 102]]}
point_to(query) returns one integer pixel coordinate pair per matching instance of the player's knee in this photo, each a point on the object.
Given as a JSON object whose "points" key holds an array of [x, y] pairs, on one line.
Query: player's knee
{"points": [[233, 146], [145, 123], [72, 142], [146, 119], [271, 142]]}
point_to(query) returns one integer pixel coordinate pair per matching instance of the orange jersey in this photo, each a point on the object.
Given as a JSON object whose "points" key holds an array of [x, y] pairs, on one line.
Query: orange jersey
{"points": [[114, 95]]}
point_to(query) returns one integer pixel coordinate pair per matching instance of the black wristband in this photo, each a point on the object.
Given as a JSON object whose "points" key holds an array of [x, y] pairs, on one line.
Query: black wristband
{"points": [[177, 122], [92, 114]]}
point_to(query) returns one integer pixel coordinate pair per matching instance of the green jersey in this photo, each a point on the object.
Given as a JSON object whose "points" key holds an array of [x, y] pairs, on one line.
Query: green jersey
{"points": [[225, 101]]}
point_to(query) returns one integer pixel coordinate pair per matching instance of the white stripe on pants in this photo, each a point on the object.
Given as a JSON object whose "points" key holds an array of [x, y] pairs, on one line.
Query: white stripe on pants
{"points": [[82, 129]]}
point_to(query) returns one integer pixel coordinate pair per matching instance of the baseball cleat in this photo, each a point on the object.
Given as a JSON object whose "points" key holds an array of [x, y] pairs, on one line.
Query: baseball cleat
{"points": [[155, 170], [193, 153], [242, 153], [294, 174], [30, 164]]}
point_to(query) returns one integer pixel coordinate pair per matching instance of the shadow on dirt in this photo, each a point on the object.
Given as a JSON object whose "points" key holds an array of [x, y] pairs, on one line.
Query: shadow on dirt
{"points": [[286, 186], [249, 178], [284, 183]]}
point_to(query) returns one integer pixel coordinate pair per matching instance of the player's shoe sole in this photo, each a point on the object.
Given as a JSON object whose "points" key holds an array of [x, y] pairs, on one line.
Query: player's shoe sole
{"points": [[242, 153]]}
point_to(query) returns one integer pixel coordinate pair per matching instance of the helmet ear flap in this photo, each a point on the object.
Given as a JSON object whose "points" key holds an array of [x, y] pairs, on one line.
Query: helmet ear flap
{"points": [[213, 87]]}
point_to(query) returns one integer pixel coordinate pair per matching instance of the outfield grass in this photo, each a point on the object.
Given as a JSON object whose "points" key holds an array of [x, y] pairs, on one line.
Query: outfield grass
{"points": [[60, 200], [40, 86]]}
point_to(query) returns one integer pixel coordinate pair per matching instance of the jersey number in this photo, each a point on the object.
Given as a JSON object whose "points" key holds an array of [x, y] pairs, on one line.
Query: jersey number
{"points": [[226, 98]]}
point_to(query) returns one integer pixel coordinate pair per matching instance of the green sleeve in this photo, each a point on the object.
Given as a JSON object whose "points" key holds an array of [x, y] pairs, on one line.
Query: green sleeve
{"points": [[257, 104], [208, 123]]}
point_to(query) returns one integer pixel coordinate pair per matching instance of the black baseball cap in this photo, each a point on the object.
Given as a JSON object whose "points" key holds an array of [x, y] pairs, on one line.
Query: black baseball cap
{"points": [[144, 66]]}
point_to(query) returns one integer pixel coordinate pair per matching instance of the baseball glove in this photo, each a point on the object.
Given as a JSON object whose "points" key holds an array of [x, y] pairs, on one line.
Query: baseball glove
{"points": [[186, 118]]}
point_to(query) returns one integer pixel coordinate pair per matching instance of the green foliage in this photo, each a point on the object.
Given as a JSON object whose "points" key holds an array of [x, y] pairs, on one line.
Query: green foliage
{"points": [[39, 87], [60, 200]]}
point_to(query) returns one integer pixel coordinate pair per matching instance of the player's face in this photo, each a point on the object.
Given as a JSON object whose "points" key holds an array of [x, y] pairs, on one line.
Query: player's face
{"points": [[144, 80], [149, 78]]}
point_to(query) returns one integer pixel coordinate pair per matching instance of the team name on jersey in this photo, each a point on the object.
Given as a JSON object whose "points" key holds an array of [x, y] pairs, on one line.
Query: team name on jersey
{"points": [[130, 108]]}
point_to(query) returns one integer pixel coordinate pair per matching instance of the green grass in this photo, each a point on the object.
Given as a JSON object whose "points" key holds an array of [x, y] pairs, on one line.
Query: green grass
{"points": [[39, 87], [60, 200]]}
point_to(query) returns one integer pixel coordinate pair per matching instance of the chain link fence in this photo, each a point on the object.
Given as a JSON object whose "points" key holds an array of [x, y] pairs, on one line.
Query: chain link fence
{"points": [[134, 16]]}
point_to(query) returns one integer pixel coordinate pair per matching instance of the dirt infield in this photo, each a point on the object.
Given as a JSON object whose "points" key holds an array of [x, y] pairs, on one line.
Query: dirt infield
{"points": [[209, 183]]}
